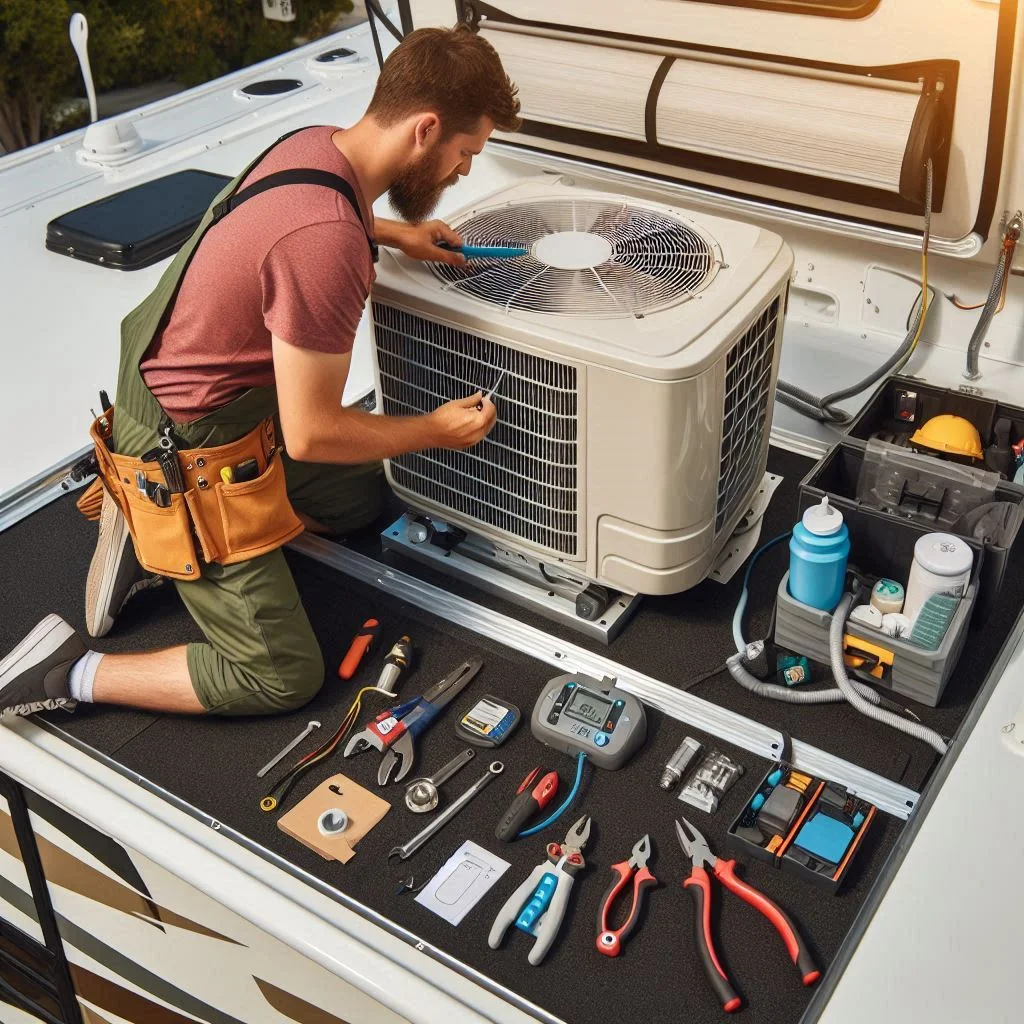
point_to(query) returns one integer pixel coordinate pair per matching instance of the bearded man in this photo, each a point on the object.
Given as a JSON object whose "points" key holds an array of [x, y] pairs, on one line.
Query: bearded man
{"points": [[234, 370]]}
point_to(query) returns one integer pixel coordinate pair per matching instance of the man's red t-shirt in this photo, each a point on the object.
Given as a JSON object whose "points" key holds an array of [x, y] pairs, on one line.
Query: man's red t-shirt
{"points": [[293, 261]]}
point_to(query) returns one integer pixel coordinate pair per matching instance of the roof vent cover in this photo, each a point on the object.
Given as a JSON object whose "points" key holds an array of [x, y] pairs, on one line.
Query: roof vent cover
{"points": [[270, 87]]}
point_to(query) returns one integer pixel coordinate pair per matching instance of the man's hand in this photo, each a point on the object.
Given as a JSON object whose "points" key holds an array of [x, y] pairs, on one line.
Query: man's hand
{"points": [[464, 422], [419, 241]]}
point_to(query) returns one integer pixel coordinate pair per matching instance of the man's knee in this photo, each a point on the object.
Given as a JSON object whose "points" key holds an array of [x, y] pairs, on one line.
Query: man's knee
{"points": [[299, 679]]}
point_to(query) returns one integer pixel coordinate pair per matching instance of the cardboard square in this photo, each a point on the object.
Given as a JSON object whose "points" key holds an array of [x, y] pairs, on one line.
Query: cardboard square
{"points": [[363, 808]]}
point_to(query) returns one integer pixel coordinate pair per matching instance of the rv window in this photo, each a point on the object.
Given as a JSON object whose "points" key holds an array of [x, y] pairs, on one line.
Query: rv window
{"points": [[822, 8]]}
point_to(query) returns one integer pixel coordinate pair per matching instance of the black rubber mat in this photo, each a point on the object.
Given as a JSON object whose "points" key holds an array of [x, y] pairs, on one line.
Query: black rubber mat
{"points": [[212, 763]]}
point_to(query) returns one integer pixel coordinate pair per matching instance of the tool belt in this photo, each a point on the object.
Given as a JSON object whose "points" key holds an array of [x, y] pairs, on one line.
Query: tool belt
{"points": [[175, 517]]}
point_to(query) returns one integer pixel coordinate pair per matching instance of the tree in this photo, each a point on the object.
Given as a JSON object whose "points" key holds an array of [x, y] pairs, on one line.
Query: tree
{"points": [[194, 41], [38, 68], [132, 42]]}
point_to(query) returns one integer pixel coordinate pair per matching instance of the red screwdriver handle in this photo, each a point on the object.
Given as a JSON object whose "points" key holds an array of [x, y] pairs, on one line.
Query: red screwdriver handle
{"points": [[699, 884], [783, 924]]}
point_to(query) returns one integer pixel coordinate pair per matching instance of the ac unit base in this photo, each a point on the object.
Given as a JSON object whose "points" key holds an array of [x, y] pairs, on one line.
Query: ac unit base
{"points": [[549, 590], [432, 542]]}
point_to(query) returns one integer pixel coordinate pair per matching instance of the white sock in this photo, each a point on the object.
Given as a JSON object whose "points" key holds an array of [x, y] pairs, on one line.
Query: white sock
{"points": [[82, 676]]}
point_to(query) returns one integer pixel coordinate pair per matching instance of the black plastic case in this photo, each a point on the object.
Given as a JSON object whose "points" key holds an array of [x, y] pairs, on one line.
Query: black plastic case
{"points": [[880, 417], [139, 226], [785, 856], [890, 539]]}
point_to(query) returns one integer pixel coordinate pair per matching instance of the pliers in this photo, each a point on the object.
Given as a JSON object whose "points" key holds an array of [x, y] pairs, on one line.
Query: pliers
{"points": [[538, 905], [610, 942], [699, 883], [393, 731]]}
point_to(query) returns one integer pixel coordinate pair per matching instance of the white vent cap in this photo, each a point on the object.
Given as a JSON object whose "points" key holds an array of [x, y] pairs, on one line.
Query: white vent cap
{"points": [[110, 142]]}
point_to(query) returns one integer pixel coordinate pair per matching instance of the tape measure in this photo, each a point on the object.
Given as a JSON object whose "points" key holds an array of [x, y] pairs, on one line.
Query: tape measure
{"points": [[489, 722]]}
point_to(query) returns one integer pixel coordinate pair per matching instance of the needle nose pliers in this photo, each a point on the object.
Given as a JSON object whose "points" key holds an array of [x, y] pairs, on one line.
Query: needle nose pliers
{"points": [[699, 883]]}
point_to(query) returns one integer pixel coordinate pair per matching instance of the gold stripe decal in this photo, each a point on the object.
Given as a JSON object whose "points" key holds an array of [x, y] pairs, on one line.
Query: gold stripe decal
{"points": [[122, 1001], [292, 1006], [66, 870]]}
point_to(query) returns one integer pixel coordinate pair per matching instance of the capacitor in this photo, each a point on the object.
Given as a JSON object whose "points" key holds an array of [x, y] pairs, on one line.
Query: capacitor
{"points": [[677, 764]]}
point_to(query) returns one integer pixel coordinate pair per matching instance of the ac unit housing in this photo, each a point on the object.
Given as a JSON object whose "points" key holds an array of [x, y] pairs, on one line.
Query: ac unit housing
{"points": [[635, 395]]}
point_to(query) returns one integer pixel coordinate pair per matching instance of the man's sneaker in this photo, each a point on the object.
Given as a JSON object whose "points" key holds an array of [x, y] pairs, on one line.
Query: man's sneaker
{"points": [[34, 676], [115, 575]]}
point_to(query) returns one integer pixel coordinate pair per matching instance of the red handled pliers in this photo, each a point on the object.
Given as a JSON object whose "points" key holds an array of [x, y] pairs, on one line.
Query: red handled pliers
{"points": [[610, 942], [699, 883]]}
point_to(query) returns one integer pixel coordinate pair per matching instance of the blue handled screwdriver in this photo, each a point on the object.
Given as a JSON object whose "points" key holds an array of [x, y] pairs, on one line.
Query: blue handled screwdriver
{"points": [[485, 252]]}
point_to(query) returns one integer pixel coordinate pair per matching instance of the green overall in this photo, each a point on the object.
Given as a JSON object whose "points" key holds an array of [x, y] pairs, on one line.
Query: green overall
{"points": [[261, 656]]}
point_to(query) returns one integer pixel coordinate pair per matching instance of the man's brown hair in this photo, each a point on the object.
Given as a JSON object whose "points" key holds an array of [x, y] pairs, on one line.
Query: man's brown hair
{"points": [[454, 73]]}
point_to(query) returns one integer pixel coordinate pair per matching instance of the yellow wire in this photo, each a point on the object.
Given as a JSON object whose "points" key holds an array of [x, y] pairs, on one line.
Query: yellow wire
{"points": [[924, 294], [348, 721], [269, 803]]}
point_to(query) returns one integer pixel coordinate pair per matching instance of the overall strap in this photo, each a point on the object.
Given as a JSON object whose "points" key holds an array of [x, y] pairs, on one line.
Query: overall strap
{"points": [[141, 325], [296, 176]]}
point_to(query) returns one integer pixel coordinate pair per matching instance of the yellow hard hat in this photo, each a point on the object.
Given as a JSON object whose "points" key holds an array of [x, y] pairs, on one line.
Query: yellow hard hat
{"points": [[951, 434]]}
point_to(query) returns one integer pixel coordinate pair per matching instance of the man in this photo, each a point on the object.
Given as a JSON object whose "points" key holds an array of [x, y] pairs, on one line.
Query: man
{"points": [[254, 324]]}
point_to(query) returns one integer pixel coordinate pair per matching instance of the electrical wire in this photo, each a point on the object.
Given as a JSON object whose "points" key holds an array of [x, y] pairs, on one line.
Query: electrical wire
{"points": [[835, 644], [1011, 235], [741, 605], [691, 683], [825, 409], [276, 796], [551, 819]]}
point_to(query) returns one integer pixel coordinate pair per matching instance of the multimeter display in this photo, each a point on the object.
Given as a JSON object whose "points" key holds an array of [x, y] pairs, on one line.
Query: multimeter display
{"points": [[588, 707], [582, 715]]}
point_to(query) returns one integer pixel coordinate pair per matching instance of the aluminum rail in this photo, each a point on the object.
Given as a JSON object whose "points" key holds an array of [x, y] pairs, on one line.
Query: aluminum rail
{"points": [[727, 725]]}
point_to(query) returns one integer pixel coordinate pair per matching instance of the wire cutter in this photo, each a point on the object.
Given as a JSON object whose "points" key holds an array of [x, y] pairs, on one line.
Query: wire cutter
{"points": [[392, 732], [699, 883], [538, 905], [610, 942]]}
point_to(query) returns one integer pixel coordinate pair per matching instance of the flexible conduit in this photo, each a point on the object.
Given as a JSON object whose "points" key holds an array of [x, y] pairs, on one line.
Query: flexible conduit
{"points": [[995, 295], [824, 409]]}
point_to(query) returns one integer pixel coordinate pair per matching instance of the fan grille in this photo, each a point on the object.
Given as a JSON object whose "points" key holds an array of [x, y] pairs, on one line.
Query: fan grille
{"points": [[522, 478], [656, 260], [748, 378]]}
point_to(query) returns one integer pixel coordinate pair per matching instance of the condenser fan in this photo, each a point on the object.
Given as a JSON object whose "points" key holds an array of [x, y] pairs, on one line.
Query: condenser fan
{"points": [[587, 257]]}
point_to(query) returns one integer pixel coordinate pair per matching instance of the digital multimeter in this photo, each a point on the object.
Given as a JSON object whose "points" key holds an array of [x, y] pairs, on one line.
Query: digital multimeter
{"points": [[578, 714]]}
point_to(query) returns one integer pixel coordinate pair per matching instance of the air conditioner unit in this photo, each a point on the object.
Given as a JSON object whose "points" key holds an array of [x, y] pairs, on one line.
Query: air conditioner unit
{"points": [[637, 348]]}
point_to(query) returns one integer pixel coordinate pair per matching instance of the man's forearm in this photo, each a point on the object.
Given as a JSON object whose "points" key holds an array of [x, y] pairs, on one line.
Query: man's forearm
{"points": [[352, 436], [389, 232]]}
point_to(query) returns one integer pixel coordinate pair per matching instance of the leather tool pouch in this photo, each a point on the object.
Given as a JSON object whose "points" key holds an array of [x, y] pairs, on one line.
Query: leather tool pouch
{"points": [[223, 522]]}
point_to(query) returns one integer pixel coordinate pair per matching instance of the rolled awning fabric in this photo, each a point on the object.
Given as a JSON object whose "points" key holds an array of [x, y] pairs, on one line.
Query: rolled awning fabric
{"points": [[838, 127]]}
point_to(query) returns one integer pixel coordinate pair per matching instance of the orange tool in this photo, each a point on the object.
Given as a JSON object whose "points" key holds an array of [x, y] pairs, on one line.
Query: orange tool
{"points": [[362, 642]]}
